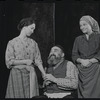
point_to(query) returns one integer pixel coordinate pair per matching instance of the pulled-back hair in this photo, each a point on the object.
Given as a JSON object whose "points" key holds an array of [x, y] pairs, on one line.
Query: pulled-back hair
{"points": [[25, 22]]}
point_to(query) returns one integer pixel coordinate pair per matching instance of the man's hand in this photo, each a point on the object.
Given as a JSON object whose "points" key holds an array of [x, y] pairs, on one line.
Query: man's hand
{"points": [[50, 77], [45, 83]]}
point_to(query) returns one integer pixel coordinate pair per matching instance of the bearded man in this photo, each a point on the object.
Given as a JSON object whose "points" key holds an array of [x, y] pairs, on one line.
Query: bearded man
{"points": [[61, 80]]}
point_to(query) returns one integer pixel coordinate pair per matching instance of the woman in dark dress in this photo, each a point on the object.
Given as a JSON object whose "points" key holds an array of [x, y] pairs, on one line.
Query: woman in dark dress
{"points": [[86, 55]]}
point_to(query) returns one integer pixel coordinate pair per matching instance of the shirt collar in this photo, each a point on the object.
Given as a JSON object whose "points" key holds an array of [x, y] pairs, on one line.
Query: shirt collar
{"points": [[90, 36]]}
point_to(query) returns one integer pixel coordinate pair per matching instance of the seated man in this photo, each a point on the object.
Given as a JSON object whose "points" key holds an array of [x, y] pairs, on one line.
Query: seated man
{"points": [[61, 80]]}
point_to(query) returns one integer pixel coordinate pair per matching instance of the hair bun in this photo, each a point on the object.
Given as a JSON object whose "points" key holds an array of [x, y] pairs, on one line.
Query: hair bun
{"points": [[25, 22]]}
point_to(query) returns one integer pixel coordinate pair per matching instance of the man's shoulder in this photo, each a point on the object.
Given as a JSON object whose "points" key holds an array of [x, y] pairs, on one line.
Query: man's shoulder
{"points": [[70, 64]]}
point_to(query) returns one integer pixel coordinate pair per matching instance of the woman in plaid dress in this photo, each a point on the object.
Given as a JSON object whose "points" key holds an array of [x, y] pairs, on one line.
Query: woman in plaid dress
{"points": [[22, 54]]}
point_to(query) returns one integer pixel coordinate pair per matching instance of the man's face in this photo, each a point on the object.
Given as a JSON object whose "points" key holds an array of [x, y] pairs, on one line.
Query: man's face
{"points": [[55, 55]]}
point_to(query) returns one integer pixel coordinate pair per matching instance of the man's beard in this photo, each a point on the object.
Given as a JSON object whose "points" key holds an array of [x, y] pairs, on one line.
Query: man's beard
{"points": [[53, 59]]}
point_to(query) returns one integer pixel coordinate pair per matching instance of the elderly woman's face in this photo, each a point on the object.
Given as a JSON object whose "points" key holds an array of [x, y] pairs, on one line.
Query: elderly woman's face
{"points": [[85, 27], [30, 29]]}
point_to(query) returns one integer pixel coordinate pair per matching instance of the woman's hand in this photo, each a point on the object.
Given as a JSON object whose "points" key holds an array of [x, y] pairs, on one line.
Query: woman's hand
{"points": [[93, 60], [28, 62], [45, 83], [85, 62], [28, 68], [44, 76]]}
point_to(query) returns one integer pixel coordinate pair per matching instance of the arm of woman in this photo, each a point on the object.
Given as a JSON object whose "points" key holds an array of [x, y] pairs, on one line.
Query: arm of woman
{"points": [[38, 60], [10, 57], [9, 54], [76, 57], [96, 57], [21, 62], [93, 60], [84, 62], [75, 53]]}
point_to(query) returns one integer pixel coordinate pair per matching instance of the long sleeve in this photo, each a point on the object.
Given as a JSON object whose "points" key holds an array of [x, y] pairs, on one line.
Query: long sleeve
{"points": [[97, 55], [9, 55], [38, 60], [75, 53], [71, 79]]}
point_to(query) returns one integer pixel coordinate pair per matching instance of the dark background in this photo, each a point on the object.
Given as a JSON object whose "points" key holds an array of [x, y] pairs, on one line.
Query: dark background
{"points": [[11, 12], [56, 23], [67, 16]]}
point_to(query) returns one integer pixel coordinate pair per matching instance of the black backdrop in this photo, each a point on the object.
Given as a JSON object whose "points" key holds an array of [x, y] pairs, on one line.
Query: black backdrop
{"points": [[67, 15], [54, 25], [11, 12]]}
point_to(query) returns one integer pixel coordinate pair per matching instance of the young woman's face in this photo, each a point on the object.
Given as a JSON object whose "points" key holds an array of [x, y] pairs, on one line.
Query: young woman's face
{"points": [[85, 27], [30, 29]]}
